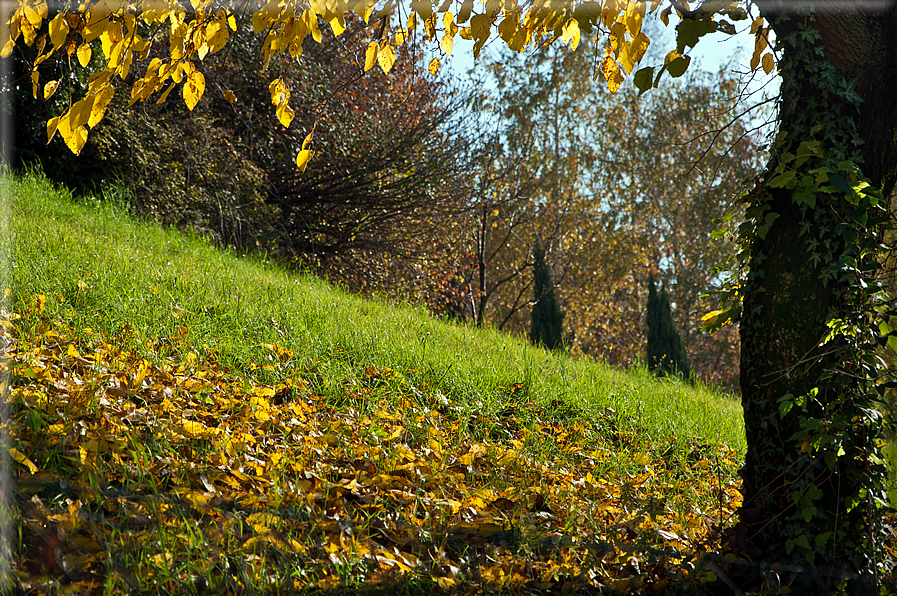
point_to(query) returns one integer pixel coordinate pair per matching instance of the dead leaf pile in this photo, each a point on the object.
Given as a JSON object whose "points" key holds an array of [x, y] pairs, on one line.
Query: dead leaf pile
{"points": [[147, 469]]}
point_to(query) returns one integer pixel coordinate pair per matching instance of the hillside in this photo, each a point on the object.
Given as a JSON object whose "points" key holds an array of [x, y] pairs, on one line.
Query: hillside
{"points": [[189, 420]]}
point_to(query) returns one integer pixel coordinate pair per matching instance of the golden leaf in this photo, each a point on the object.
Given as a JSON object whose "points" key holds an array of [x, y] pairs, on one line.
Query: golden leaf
{"points": [[191, 427], [50, 89], [571, 33], [370, 55], [386, 57], [84, 52], [230, 96], [434, 66], [193, 89], [447, 44], [98, 109], [23, 459], [768, 62], [35, 75], [58, 30], [280, 94], [635, 14], [7, 48], [52, 124], [303, 158], [612, 74]]}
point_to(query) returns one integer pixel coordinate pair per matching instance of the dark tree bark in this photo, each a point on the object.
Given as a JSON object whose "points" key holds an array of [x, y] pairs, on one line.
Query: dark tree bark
{"points": [[794, 290]]}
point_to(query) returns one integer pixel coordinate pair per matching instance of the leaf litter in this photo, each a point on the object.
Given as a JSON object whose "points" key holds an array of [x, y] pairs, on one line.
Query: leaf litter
{"points": [[155, 469]]}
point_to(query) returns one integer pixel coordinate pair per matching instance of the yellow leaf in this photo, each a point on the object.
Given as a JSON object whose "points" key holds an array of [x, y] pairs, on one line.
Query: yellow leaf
{"points": [[337, 25], [35, 75], [768, 62], [8, 47], [50, 89], [303, 158], [23, 459], [447, 44], [386, 57], [165, 93], [110, 38], [191, 427], [634, 51], [98, 110], [430, 28], [52, 124], [59, 29], [612, 74], [280, 94], [84, 52], [571, 33], [230, 96], [98, 79], [216, 36], [635, 14], [75, 137], [370, 55], [193, 89], [364, 8], [434, 66]]}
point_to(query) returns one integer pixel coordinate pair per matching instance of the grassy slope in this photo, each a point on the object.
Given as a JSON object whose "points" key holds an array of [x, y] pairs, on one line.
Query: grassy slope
{"points": [[158, 280], [375, 446]]}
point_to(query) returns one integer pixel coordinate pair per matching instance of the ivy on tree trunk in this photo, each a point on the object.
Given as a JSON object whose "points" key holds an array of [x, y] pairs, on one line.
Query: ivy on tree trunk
{"points": [[813, 475]]}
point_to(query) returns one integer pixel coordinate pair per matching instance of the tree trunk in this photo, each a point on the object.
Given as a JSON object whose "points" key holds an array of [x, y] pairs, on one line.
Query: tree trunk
{"points": [[807, 480]]}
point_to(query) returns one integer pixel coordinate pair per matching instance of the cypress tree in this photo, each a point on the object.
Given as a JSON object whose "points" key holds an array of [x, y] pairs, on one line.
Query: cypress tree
{"points": [[547, 327], [666, 352]]}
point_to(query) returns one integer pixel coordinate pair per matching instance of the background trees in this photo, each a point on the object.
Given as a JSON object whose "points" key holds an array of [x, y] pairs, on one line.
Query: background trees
{"points": [[615, 188], [371, 212]]}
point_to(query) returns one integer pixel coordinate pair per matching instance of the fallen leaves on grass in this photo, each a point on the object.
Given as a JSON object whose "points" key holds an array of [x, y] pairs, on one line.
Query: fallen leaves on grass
{"points": [[143, 470]]}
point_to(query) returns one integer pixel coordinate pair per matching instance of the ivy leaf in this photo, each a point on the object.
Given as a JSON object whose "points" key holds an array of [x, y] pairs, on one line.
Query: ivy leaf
{"points": [[840, 183], [783, 179]]}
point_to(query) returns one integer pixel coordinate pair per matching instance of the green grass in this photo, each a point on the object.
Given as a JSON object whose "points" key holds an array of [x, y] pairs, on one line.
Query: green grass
{"points": [[157, 280], [223, 422]]}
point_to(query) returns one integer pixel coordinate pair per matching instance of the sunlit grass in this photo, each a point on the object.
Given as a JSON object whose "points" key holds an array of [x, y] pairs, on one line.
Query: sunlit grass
{"points": [[190, 421], [163, 284]]}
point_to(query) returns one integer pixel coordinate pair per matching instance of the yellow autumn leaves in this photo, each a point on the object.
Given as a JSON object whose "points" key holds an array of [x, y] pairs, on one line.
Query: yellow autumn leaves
{"points": [[192, 36], [379, 482]]}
